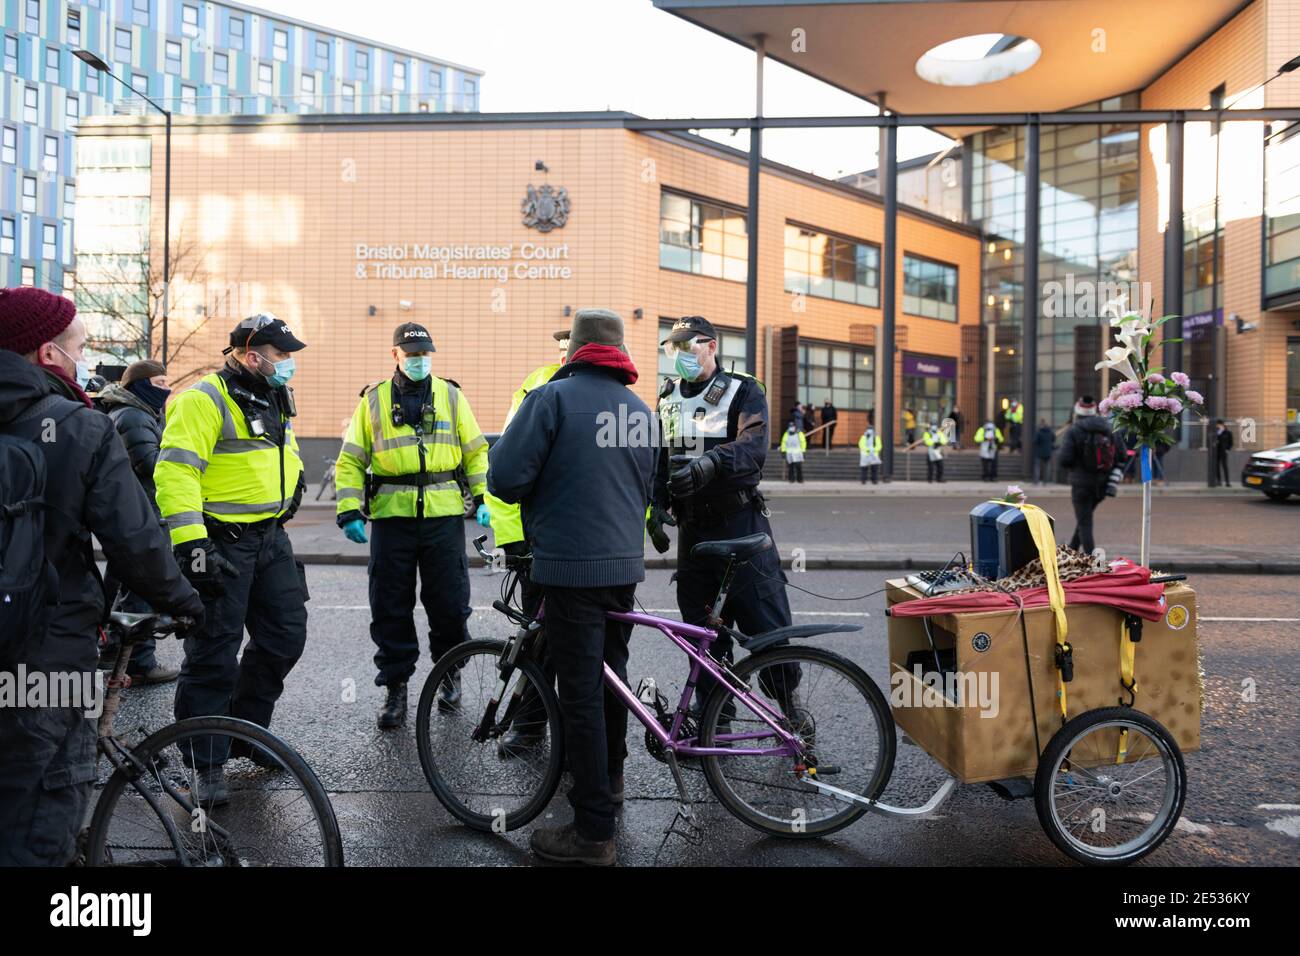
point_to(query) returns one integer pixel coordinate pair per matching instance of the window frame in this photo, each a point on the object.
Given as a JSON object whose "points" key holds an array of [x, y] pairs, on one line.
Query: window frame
{"points": [[172, 65], [140, 12], [805, 386], [279, 52], [32, 103], [698, 251], [30, 203], [232, 34], [8, 235], [956, 286], [49, 242], [269, 81], [9, 145], [189, 28], [220, 76]]}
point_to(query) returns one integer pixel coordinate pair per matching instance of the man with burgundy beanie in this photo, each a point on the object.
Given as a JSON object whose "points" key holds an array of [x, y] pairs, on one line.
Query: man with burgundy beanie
{"points": [[583, 494], [47, 761]]}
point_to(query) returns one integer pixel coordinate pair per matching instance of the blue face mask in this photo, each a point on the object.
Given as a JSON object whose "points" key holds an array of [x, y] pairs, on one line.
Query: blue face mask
{"points": [[417, 367], [687, 365], [283, 372]]}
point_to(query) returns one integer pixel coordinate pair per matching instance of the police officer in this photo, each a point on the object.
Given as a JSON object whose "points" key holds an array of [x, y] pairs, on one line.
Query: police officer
{"points": [[228, 478], [529, 726], [408, 436], [933, 437], [719, 419]]}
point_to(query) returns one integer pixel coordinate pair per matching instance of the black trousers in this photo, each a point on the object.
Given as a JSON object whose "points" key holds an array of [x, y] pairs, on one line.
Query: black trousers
{"points": [[933, 470], [47, 770], [398, 548], [872, 472], [1085, 499], [1221, 468], [756, 603], [989, 468], [581, 641], [269, 599], [794, 471]]}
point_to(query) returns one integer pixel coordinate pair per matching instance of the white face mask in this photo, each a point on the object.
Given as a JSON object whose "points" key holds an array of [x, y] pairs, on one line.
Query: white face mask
{"points": [[83, 369]]}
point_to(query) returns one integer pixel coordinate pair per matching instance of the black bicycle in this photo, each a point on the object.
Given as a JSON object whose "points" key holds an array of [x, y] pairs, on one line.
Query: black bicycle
{"points": [[165, 805]]}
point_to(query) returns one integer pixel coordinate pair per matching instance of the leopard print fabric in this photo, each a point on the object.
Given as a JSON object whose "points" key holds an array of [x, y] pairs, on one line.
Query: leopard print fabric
{"points": [[1070, 565]]}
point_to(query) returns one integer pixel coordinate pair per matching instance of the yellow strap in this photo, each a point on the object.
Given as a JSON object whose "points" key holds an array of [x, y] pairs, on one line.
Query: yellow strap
{"points": [[1127, 678]]}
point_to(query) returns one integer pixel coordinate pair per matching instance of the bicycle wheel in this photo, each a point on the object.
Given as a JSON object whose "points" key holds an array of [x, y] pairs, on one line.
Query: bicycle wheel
{"points": [[277, 815], [839, 713], [479, 786], [1099, 810]]}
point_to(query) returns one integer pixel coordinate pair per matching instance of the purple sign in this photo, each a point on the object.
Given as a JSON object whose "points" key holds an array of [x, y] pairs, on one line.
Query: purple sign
{"points": [[1197, 327], [929, 366]]}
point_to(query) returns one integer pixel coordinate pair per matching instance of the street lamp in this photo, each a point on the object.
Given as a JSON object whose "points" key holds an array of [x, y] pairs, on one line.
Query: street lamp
{"points": [[95, 63]]}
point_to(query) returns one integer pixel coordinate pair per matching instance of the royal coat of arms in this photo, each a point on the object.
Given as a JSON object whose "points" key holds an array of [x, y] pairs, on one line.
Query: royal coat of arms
{"points": [[546, 208]]}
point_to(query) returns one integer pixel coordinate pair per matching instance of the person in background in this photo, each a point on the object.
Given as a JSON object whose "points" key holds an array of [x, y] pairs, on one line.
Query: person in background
{"points": [[793, 445], [1089, 453], [47, 753], [1044, 443], [934, 439], [909, 426], [809, 419], [989, 439], [958, 420], [1015, 423], [135, 404], [584, 505], [869, 446], [1222, 445], [829, 416], [796, 413]]}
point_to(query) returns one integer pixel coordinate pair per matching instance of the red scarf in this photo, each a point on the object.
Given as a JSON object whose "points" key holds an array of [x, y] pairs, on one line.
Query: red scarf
{"points": [[609, 356], [77, 392]]}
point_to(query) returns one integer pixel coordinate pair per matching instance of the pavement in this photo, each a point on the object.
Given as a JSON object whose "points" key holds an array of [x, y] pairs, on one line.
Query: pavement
{"points": [[1243, 802], [842, 525]]}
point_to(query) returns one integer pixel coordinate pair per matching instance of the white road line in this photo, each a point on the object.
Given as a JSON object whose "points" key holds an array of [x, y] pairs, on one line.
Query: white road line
{"points": [[1265, 621], [1286, 807], [652, 610]]}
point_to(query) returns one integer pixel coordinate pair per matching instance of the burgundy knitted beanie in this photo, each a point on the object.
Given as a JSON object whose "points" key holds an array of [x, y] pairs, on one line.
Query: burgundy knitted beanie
{"points": [[31, 317]]}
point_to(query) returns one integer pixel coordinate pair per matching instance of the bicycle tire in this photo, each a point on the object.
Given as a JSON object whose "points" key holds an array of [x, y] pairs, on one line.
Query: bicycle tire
{"points": [[555, 767], [155, 743], [875, 701]]}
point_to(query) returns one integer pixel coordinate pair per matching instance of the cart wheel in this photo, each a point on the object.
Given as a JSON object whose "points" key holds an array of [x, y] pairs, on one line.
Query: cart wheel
{"points": [[1099, 810]]}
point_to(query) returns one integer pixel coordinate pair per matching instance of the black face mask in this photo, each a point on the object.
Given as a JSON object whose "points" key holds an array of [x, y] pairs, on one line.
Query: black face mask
{"points": [[149, 393]]}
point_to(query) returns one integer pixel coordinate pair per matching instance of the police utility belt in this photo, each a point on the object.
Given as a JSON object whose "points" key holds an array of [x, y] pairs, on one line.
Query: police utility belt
{"points": [[718, 508], [418, 479]]}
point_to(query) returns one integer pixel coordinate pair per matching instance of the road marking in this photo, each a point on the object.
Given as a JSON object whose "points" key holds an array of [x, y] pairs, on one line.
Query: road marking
{"points": [[1286, 825], [652, 610], [1247, 620], [1279, 806]]}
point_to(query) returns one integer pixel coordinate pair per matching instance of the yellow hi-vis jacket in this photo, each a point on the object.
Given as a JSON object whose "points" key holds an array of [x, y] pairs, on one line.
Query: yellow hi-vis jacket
{"points": [[211, 465], [507, 523], [934, 437], [374, 449], [788, 441], [869, 449]]}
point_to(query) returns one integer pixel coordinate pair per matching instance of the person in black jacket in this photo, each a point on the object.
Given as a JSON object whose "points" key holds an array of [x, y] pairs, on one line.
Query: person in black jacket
{"points": [[583, 489], [1222, 445], [135, 404], [1084, 455], [47, 760]]}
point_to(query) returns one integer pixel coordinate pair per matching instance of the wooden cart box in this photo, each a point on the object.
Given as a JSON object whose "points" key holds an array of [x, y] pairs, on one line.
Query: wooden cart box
{"points": [[991, 737]]}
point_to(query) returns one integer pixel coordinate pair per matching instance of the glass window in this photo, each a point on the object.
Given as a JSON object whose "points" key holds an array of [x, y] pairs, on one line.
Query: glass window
{"points": [[929, 288], [7, 237], [140, 83], [831, 267], [9, 145], [31, 105], [52, 65], [322, 54], [140, 12], [189, 99], [307, 86], [280, 38], [28, 275], [220, 69], [29, 194], [349, 98], [471, 93], [69, 200], [265, 79], [11, 54], [189, 20], [32, 17], [385, 102], [49, 241], [71, 109], [172, 57], [435, 81], [236, 33], [399, 75], [363, 65], [702, 237], [843, 373], [122, 44], [74, 28], [1281, 210], [50, 154]]}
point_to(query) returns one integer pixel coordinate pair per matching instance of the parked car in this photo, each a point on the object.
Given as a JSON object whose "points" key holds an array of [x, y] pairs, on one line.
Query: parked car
{"points": [[1275, 472]]}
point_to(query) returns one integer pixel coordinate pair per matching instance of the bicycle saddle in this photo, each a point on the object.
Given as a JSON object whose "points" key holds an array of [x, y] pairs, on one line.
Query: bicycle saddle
{"points": [[737, 548]]}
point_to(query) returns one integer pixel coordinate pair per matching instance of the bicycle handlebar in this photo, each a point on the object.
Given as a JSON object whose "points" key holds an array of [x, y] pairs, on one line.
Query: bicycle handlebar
{"points": [[138, 627]]}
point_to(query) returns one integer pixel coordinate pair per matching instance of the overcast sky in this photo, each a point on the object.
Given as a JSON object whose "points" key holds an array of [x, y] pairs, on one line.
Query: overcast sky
{"points": [[613, 54]]}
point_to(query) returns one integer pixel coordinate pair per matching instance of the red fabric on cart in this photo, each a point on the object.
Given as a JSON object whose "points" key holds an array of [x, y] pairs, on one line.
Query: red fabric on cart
{"points": [[1127, 587]]}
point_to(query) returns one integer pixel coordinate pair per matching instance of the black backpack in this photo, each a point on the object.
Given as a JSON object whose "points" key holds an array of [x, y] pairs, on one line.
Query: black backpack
{"points": [[1097, 453], [29, 586]]}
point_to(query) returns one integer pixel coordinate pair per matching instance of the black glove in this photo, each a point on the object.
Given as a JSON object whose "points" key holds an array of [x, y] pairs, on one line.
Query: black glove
{"points": [[654, 524], [196, 621], [691, 475], [203, 564], [298, 492]]}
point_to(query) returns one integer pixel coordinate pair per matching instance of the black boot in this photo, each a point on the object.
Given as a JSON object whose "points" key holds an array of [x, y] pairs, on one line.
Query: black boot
{"points": [[449, 692], [520, 740], [394, 710]]}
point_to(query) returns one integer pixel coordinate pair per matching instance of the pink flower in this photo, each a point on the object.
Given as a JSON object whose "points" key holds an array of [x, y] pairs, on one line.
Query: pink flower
{"points": [[1155, 378], [1195, 397], [1174, 405], [1129, 400], [1106, 405], [1127, 386], [1180, 379], [1158, 402]]}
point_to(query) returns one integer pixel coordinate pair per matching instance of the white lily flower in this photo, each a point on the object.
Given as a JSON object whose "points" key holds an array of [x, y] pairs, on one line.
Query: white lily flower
{"points": [[1117, 358], [1115, 308]]}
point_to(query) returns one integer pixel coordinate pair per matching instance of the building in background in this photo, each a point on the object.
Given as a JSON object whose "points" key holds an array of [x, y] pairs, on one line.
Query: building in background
{"points": [[190, 56]]}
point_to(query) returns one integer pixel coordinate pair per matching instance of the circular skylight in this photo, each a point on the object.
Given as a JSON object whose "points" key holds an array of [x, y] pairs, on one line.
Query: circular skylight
{"points": [[978, 59]]}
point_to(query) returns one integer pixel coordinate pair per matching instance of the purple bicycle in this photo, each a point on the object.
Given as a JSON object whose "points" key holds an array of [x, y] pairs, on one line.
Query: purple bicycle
{"points": [[796, 741]]}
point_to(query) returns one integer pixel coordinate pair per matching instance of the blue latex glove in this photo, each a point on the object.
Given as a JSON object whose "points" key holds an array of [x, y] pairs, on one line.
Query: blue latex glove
{"points": [[355, 530], [483, 517]]}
